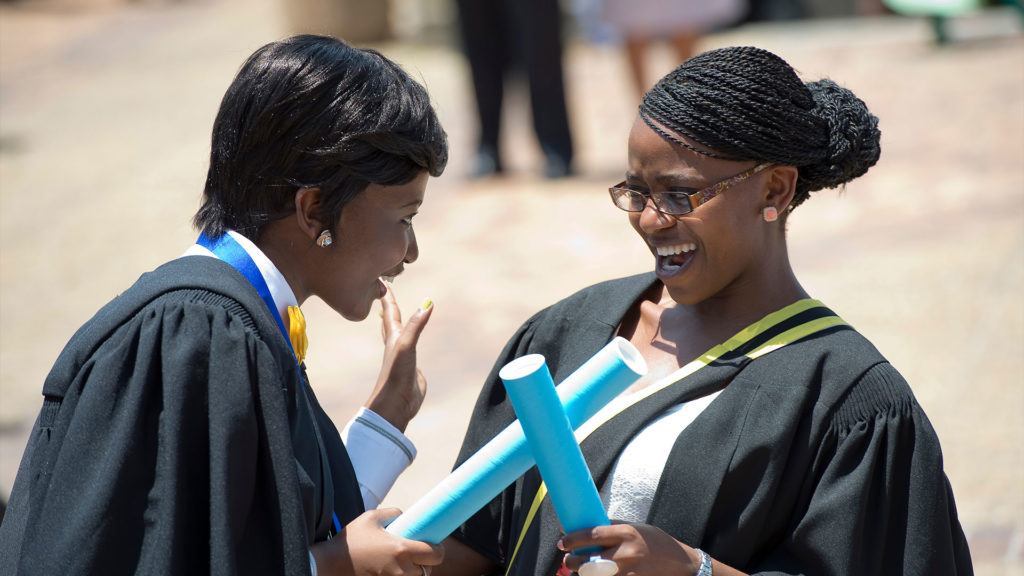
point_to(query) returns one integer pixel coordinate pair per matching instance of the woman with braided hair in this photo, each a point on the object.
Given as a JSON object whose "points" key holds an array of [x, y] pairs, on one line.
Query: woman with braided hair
{"points": [[768, 436]]}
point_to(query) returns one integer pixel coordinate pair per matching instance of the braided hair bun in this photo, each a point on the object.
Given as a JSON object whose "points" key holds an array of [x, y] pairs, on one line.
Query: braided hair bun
{"points": [[745, 103]]}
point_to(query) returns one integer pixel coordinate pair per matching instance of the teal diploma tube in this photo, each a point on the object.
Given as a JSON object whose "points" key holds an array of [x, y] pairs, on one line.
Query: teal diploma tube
{"points": [[507, 457]]}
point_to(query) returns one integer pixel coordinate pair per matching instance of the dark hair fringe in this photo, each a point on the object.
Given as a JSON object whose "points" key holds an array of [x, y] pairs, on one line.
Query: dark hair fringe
{"points": [[314, 111], [745, 103]]}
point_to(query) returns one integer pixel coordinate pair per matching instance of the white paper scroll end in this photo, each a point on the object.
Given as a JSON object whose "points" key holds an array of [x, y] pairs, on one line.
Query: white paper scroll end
{"points": [[521, 367], [630, 356], [598, 566]]}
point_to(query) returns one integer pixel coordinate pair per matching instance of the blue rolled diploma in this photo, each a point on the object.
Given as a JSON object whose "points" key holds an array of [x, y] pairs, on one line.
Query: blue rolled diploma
{"points": [[507, 457], [550, 437]]}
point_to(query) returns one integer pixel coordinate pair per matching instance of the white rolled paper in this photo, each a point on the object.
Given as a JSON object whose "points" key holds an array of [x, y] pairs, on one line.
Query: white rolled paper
{"points": [[507, 457]]}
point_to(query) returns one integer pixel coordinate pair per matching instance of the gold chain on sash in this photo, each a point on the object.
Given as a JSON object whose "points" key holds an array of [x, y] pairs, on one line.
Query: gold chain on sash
{"points": [[741, 338]]}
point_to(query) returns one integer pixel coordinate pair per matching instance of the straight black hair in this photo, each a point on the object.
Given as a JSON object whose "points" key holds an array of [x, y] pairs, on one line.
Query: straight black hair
{"points": [[314, 111]]}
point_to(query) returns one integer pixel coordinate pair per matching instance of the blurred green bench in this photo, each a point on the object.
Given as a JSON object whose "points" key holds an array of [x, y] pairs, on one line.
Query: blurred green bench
{"points": [[940, 11]]}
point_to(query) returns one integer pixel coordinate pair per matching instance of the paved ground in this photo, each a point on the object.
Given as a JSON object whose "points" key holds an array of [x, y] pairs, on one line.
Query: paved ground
{"points": [[105, 115]]}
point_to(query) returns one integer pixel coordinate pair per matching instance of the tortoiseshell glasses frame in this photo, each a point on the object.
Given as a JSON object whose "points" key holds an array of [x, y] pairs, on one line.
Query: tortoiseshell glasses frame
{"points": [[676, 203]]}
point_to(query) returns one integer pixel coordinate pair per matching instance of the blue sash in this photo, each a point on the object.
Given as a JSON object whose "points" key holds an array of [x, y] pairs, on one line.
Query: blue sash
{"points": [[230, 251]]}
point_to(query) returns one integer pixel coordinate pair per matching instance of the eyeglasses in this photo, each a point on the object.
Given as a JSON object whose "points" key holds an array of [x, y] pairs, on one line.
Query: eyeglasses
{"points": [[676, 203]]}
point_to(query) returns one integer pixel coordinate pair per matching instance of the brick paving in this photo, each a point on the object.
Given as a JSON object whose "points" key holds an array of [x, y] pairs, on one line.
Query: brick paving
{"points": [[105, 113]]}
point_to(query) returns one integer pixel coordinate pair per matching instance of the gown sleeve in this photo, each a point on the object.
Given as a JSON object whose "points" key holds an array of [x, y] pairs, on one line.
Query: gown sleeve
{"points": [[156, 458], [880, 502]]}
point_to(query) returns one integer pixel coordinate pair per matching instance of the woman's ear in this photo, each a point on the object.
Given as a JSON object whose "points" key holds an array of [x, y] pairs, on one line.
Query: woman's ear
{"points": [[307, 212], [780, 187]]}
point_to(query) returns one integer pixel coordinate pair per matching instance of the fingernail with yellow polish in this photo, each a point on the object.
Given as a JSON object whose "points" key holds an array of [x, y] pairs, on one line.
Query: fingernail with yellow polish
{"points": [[427, 303]]}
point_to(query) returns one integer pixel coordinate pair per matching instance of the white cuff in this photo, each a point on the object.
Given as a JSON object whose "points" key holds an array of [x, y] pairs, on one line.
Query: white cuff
{"points": [[312, 563], [379, 453]]}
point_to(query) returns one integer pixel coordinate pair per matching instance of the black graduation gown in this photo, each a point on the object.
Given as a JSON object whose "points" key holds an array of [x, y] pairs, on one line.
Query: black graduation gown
{"points": [[815, 459], [177, 436]]}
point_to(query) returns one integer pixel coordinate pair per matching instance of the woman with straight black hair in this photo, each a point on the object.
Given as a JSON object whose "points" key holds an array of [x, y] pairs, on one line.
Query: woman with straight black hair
{"points": [[179, 433], [769, 436]]}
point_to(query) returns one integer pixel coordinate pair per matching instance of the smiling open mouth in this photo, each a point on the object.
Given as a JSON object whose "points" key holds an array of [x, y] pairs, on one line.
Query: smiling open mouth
{"points": [[672, 259]]}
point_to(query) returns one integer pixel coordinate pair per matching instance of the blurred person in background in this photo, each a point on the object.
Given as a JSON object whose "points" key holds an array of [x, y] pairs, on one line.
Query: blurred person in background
{"points": [[768, 436], [179, 433], [769, 10], [500, 38], [682, 23]]}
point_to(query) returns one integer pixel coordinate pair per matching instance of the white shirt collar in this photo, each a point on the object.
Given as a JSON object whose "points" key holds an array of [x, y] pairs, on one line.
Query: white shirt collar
{"points": [[280, 291]]}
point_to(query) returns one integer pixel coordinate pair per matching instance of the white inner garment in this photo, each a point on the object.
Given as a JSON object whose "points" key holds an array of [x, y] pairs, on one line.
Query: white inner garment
{"points": [[629, 492]]}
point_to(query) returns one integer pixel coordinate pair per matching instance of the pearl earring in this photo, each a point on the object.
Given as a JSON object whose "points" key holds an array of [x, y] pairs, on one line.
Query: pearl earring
{"points": [[325, 239], [770, 214]]}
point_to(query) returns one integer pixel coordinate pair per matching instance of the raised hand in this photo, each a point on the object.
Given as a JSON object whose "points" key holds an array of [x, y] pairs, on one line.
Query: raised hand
{"points": [[401, 386]]}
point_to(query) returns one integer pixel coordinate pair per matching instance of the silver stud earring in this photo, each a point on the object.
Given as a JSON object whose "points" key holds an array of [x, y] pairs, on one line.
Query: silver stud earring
{"points": [[770, 214], [325, 239]]}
